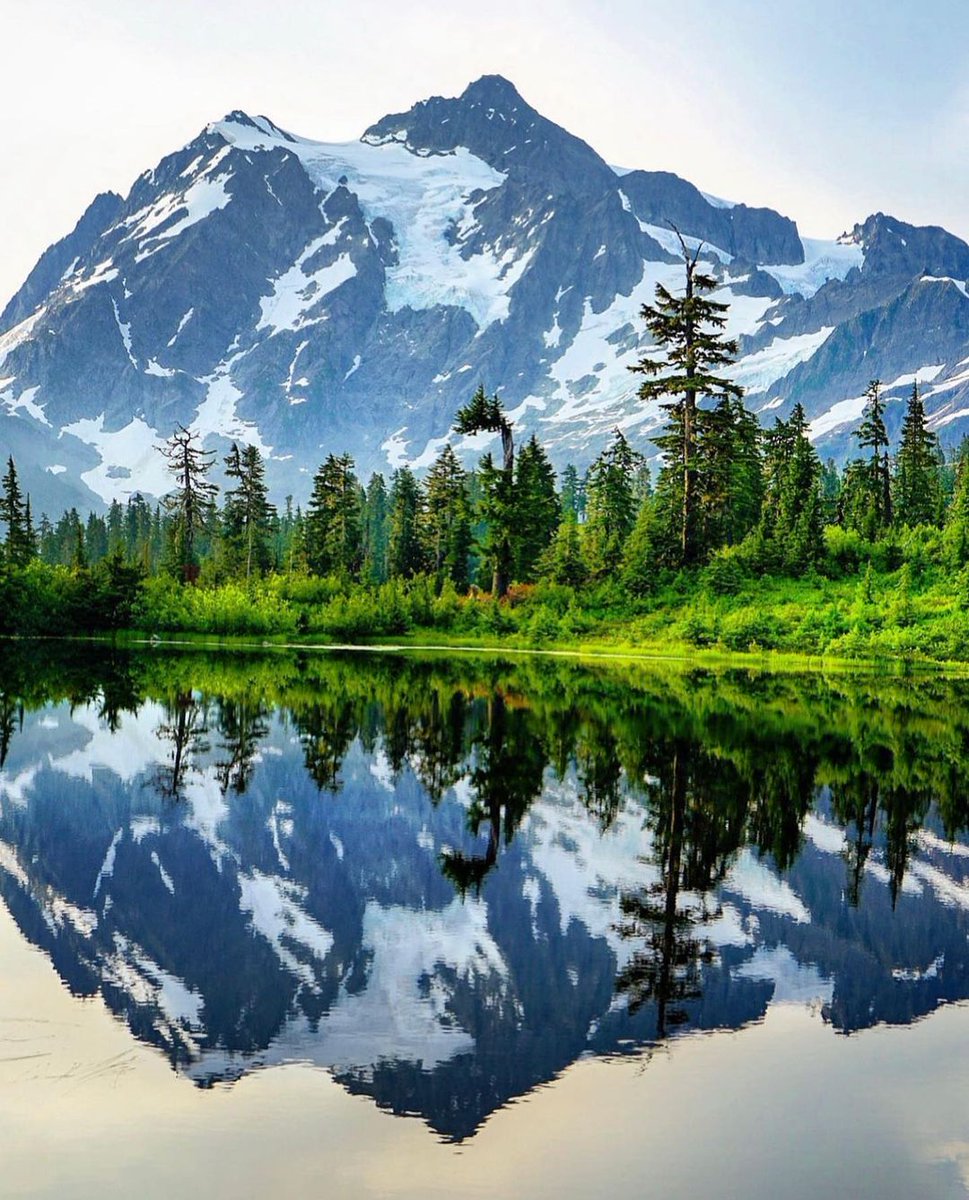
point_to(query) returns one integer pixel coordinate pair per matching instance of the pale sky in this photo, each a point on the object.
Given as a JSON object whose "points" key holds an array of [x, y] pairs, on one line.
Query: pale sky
{"points": [[827, 110]]}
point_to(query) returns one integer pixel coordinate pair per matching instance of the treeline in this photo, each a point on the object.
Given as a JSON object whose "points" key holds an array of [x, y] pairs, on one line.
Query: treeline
{"points": [[762, 493], [733, 504]]}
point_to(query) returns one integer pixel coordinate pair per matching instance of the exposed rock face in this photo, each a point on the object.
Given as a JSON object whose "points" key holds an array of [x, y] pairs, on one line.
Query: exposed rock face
{"points": [[308, 297]]}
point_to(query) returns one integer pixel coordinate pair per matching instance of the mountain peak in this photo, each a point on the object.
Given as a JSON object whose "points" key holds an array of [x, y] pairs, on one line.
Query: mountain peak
{"points": [[492, 121], [260, 123], [494, 90]]}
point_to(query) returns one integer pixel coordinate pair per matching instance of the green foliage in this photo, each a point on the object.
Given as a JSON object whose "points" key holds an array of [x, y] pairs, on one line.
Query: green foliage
{"points": [[610, 506], [538, 509], [727, 573], [333, 519]]}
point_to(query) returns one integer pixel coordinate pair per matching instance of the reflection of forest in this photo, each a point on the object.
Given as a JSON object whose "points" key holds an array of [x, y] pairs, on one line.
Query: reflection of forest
{"points": [[717, 761]]}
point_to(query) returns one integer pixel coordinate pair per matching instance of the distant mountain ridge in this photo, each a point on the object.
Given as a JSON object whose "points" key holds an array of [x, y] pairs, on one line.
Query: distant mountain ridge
{"points": [[308, 297]]}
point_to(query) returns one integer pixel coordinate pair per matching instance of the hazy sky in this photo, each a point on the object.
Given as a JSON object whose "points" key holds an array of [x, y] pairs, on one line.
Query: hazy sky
{"points": [[824, 109]]}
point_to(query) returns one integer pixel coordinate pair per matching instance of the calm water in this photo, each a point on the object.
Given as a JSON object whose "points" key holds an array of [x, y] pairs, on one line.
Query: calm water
{"points": [[391, 926]]}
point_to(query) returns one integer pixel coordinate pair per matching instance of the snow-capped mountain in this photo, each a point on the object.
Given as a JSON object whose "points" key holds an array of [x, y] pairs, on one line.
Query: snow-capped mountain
{"points": [[309, 297]]}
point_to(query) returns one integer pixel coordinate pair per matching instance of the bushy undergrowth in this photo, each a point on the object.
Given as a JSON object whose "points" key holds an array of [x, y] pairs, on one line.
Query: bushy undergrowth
{"points": [[902, 597]]}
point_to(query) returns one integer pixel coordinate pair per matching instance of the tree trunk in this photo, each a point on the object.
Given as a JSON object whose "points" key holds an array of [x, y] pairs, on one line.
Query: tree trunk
{"points": [[688, 545]]}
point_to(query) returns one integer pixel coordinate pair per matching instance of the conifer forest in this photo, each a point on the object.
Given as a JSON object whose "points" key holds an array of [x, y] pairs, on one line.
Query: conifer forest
{"points": [[727, 536]]}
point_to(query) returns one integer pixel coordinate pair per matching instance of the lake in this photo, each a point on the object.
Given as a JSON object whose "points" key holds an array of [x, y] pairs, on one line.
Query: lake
{"points": [[386, 924]]}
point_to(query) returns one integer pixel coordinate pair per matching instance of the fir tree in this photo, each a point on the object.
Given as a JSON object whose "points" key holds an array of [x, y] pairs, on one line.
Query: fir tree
{"points": [[485, 414], [115, 526], [13, 513], [190, 504], [916, 491], [247, 517], [446, 526], [866, 502], [374, 517], [573, 493], [791, 526], [563, 561], [730, 474], [798, 532], [95, 538], [333, 533], [639, 554], [538, 508], [689, 332], [404, 553], [610, 504]]}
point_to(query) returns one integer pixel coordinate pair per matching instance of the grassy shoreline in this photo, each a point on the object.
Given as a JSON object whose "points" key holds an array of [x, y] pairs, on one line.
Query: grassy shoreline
{"points": [[674, 655]]}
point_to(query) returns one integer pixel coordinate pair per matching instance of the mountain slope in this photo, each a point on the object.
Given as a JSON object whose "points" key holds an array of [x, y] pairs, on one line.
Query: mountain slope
{"points": [[308, 297]]}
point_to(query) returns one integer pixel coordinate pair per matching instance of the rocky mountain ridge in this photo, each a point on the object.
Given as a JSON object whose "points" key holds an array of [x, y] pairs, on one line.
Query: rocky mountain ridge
{"points": [[308, 297]]}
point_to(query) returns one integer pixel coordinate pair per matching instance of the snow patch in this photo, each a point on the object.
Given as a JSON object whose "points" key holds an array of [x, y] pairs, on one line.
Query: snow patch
{"points": [[823, 261], [845, 412], [756, 372], [130, 458]]}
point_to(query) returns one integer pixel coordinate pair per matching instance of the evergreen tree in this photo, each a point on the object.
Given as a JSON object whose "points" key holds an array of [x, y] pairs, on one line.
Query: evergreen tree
{"points": [[30, 534], [115, 527], [730, 474], [538, 508], [404, 552], [640, 559], [375, 511], [610, 505], [563, 561], [917, 492], [333, 533], [247, 517], [95, 538], [866, 502], [830, 492], [957, 521], [792, 504], [446, 528], [13, 513], [573, 493], [190, 505], [485, 414], [689, 331]]}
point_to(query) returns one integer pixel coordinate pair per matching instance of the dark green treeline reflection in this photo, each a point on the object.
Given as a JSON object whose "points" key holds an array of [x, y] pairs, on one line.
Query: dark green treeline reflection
{"points": [[724, 791]]}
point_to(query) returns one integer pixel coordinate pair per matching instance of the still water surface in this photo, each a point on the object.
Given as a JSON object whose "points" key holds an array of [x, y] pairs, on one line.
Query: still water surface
{"points": [[402, 926]]}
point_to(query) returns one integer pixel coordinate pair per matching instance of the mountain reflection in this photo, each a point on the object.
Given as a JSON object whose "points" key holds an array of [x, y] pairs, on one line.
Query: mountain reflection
{"points": [[444, 880]]}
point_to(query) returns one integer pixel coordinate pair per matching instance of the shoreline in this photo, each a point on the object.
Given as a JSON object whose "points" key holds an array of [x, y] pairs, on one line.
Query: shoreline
{"points": [[769, 661]]}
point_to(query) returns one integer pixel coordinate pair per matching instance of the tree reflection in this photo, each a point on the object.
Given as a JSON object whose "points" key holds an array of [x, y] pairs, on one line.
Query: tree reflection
{"points": [[695, 815], [243, 723], [11, 718], [509, 769], [186, 728]]}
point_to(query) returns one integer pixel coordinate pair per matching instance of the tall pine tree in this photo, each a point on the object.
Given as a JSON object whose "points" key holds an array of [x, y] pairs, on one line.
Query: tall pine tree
{"points": [[332, 523], [190, 504], [611, 504], [688, 330], [247, 517], [446, 528], [404, 551], [538, 508], [917, 488], [485, 414]]}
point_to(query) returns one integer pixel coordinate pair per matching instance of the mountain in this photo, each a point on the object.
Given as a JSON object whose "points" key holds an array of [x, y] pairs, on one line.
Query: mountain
{"points": [[308, 297]]}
